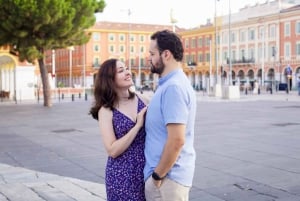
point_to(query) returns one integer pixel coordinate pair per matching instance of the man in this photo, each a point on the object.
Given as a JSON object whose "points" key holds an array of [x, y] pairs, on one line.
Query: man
{"points": [[170, 120]]}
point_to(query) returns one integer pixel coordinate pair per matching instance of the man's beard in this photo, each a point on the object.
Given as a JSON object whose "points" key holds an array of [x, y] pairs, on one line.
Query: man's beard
{"points": [[159, 68]]}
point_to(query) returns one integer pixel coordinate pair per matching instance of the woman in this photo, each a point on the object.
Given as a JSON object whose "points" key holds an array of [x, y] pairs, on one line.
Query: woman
{"points": [[120, 113]]}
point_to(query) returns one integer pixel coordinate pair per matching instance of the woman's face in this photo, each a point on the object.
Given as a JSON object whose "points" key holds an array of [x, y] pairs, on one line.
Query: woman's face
{"points": [[123, 76]]}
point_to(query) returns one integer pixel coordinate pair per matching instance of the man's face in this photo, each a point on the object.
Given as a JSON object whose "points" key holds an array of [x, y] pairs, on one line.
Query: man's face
{"points": [[155, 59]]}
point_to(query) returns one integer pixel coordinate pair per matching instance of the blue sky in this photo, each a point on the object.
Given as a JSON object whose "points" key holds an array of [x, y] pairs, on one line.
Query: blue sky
{"points": [[188, 13]]}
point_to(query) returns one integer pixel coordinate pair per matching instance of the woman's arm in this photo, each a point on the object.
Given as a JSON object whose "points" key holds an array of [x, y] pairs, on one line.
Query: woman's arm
{"points": [[113, 146]]}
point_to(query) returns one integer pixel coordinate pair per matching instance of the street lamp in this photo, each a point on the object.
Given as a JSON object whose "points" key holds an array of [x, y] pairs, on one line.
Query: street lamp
{"points": [[210, 65], [84, 68], [129, 30], [216, 49], [53, 69], [229, 44], [71, 48]]}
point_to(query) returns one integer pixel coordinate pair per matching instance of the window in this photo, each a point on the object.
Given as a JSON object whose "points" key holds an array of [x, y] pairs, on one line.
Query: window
{"points": [[96, 36], [207, 41], [232, 37], [122, 37], [132, 62], [193, 58], [132, 37], [200, 42], [298, 48], [200, 57], [187, 58], [122, 48], [298, 28], [225, 38], [186, 42], [225, 55], [233, 55], [142, 49], [287, 27], [272, 31], [111, 37], [96, 62], [251, 34], [142, 62], [111, 48], [251, 53], [242, 36], [132, 49], [287, 49], [260, 53], [273, 51], [96, 48], [142, 38], [193, 43], [261, 33], [207, 57], [242, 54]]}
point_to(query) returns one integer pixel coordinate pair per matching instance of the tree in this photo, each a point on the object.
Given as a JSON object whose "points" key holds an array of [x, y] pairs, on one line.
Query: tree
{"points": [[30, 27]]}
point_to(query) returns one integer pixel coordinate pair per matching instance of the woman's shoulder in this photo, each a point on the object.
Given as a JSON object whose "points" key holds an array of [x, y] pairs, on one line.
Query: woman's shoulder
{"points": [[104, 112], [143, 98]]}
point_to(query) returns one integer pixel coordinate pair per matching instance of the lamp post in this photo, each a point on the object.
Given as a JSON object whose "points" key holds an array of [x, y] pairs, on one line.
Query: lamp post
{"points": [[229, 44], [84, 68], [71, 48], [210, 65], [263, 57], [129, 31], [139, 71], [216, 49]]}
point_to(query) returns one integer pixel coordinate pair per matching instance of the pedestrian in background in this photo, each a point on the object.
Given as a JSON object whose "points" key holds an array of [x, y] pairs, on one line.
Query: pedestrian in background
{"points": [[120, 113], [170, 121]]}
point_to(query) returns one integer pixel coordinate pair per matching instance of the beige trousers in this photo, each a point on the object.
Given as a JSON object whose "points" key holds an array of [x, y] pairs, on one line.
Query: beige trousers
{"points": [[168, 191]]}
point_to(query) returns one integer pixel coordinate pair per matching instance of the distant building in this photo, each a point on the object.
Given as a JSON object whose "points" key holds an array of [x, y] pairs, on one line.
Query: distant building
{"points": [[17, 79], [260, 42]]}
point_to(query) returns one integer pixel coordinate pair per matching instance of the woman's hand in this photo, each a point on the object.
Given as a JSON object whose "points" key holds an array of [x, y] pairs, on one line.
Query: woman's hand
{"points": [[140, 118]]}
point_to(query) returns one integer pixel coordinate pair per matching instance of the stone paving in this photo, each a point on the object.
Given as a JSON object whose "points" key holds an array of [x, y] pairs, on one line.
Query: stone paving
{"points": [[247, 149]]}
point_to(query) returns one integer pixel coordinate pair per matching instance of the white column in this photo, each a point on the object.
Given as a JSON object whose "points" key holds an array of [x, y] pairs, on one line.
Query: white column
{"points": [[11, 81]]}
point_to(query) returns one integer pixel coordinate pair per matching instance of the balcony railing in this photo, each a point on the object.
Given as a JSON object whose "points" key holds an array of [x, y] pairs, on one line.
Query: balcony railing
{"points": [[191, 63], [241, 61]]}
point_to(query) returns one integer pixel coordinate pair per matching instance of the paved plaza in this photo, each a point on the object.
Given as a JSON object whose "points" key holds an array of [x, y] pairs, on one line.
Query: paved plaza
{"points": [[247, 150]]}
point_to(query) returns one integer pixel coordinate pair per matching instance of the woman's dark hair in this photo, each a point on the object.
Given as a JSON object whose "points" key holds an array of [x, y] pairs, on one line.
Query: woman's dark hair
{"points": [[105, 88], [168, 40]]}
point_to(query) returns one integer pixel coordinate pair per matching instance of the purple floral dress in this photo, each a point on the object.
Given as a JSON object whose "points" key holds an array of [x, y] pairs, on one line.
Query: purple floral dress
{"points": [[124, 174]]}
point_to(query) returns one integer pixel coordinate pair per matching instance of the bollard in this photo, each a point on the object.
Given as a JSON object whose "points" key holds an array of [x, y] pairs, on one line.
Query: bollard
{"points": [[79, 95], [258, 91], [246, 91], [62, 96], [72, 97], [85, 96], [271, 90]]}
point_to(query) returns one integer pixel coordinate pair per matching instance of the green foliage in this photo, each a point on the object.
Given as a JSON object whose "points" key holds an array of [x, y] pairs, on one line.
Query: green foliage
{"points": [[32, 26], [60, 85]]}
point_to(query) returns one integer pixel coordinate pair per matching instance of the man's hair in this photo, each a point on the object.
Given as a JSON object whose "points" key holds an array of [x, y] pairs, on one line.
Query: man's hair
{"points": [[168, 40]]}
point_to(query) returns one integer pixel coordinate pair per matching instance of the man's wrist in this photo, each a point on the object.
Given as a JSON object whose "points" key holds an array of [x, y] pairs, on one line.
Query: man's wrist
{"points": [[156, 176]]}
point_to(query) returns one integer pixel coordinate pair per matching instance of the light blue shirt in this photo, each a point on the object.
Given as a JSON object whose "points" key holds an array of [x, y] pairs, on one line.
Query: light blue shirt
{"points": [[173, 102]]}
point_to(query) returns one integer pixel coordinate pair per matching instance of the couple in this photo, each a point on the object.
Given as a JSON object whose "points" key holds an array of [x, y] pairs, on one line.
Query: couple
{"points": [[150, 147]]}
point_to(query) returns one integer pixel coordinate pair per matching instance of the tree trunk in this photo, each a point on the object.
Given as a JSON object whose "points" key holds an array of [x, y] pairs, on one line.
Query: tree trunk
{"points": [[46, 84]]}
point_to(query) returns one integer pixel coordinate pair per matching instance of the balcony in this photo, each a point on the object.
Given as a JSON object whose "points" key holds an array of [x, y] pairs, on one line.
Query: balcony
{"points": [[241, 61], [191, 63]]}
